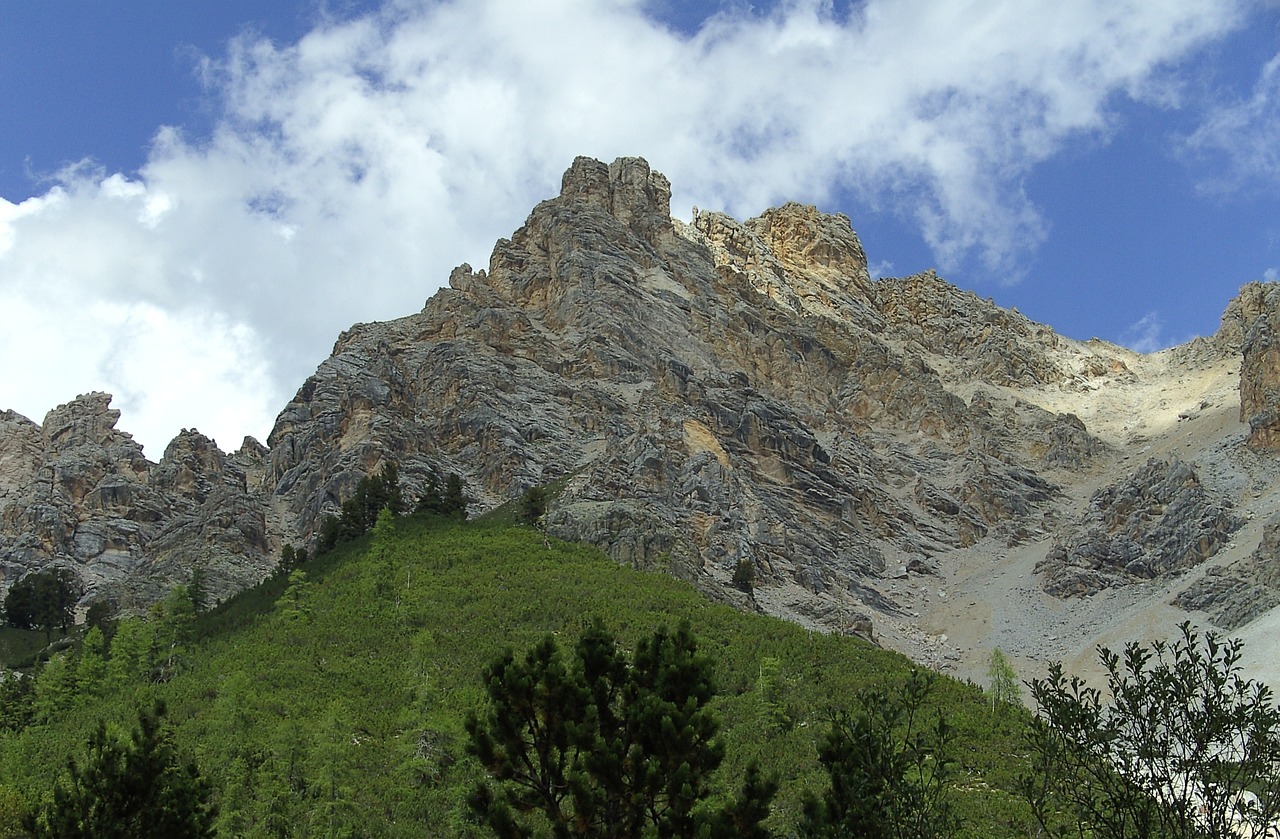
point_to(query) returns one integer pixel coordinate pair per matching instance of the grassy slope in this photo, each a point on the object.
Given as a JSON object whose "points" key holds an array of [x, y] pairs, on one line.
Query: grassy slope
{"points": [[349, 710]]}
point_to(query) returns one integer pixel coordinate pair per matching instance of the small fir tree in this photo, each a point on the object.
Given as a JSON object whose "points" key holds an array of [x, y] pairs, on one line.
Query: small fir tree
{"points": [[137, 789]]}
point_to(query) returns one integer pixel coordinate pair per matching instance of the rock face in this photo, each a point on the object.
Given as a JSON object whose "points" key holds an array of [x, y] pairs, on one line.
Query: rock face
{"points": [[1253, 319], [1157, 521], [1234, 596], [706, 394], [699, 395], [77, 493]]}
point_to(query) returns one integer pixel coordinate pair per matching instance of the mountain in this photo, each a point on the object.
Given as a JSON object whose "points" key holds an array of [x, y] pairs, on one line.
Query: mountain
{"points": [[896, 458]]}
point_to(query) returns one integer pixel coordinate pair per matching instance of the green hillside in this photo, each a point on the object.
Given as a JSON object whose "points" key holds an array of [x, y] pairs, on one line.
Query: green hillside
{"points": [[335, 707]]}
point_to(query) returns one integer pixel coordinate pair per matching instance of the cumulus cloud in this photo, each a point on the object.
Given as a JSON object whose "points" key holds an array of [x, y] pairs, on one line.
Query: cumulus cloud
{"points": [[348, 172]]}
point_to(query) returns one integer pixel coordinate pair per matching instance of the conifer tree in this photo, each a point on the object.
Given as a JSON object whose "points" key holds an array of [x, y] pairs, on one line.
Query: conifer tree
{"points": [[455, 500], [91, 670], [373, 494], [43, 600], [133, 653], [888, 768], [606, 745], [129, 790]]}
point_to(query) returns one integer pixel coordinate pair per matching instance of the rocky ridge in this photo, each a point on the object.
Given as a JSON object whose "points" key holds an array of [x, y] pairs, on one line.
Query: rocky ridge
{"points": [[715, 392]]}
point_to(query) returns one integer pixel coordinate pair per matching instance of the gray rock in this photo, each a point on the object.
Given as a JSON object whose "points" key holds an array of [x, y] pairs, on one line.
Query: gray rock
{"points": [[1156, 522]]}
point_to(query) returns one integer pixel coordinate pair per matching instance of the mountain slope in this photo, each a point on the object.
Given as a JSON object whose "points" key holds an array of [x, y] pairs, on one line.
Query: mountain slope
{"points": [[336, 707]]}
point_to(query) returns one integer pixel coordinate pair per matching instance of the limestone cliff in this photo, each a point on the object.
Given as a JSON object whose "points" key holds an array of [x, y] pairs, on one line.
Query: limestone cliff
{"points": [[704, 394], [77, 493]]}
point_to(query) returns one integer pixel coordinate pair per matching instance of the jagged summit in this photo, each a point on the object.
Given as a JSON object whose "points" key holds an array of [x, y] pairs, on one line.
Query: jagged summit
{"points": [[712, 395]]}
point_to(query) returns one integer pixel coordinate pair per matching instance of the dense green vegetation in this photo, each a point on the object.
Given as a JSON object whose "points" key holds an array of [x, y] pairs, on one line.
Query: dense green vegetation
{"points": [[332, 701], [44, 600]]}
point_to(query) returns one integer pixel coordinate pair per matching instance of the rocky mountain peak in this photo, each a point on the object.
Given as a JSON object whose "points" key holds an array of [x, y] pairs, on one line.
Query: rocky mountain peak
{"points": [[705, 397], [1251, 326], [87, 420], [77, 493], [804, 260], [626, 189]]}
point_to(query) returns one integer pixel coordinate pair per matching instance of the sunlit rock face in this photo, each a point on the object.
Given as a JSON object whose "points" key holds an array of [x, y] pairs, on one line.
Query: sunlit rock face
{"points": [[698, 396], [77, 493]]}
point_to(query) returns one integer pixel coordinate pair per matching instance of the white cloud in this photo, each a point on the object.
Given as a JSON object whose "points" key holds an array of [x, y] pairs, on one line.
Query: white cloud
{"points": [[1146, 335], [350, 171], [1243, 132], [1271, 275]]}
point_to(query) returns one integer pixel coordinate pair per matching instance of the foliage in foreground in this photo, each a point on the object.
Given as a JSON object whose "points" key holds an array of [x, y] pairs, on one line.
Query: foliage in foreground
{"points": [[1187, 748], [607, 745], [129, 790], [889, 767]]}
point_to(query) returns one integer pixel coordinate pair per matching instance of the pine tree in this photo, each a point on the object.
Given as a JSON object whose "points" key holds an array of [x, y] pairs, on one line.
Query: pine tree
{"points": [[373, 494], [533, 505], [129, 790], [606, 745], [455, 500], [43, 600], [889, 770], [91, 670]]}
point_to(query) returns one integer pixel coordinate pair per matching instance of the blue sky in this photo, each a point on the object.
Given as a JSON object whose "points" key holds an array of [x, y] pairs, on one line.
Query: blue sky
{"points": [[193, 203]]}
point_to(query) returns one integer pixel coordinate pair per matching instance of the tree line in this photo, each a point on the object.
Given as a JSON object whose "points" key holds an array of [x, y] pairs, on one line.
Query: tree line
{"points": [[593, 740]]}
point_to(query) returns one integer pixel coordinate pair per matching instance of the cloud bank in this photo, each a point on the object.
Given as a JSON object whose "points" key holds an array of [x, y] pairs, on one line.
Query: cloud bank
{"points": [[348, 172]]}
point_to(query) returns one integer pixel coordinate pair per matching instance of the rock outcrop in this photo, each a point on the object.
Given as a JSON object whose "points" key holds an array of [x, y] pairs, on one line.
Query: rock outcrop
{"points": [[706, 394], [77, 493], [1253, 320], [1158, 521], [1235, 595]]}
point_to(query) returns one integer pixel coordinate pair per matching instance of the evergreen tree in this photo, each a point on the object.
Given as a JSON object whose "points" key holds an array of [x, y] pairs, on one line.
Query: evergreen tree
{"points": [[196, 590], [533, 505], [17, 701], [129, 790], [55, 687], [373, 494], [330, 534], [888, 768], [133, 653], [294, 597], [173, 622], [430, 501], [43, 600], [606, 745], [101, 613], [91, 670], [455, 500]]}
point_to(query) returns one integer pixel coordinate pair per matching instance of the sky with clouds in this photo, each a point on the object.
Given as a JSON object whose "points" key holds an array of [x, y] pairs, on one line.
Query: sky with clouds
{"points": [[196, 199]]}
